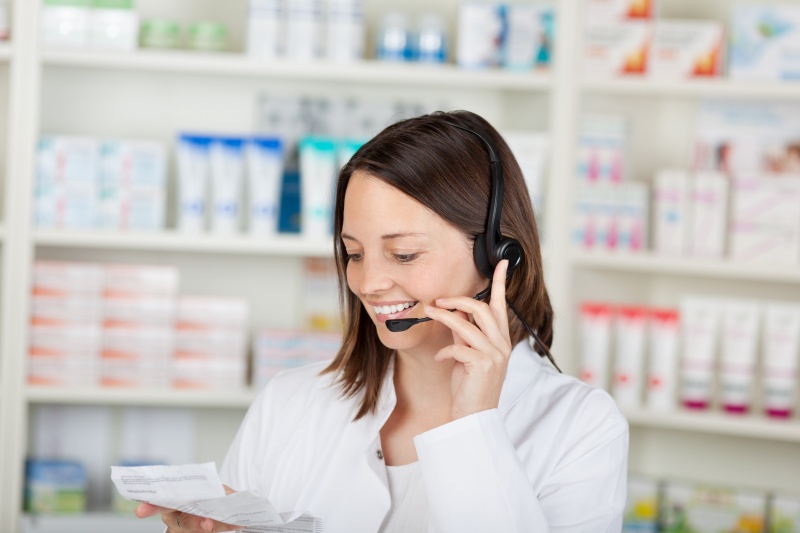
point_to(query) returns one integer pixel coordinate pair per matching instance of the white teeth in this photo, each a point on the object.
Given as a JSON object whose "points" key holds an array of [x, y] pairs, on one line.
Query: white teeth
{"points": [[392, 309]]}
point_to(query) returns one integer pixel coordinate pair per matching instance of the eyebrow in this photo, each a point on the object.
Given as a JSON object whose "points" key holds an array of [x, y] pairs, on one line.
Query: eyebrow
{"points": [[386, 237]]}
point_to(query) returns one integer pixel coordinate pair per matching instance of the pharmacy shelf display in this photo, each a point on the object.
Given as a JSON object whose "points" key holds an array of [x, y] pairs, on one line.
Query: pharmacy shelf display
{"points": [[685, 266], [281, 245], [713, 88], [234, 399], [369, 72]]}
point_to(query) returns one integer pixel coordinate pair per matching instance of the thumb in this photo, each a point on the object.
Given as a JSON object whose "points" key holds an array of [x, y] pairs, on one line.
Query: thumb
{"points": [[228, 490]]}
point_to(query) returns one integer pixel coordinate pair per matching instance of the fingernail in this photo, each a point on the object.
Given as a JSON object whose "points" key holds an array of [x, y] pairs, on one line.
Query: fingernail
{"points": [[208, 525]]}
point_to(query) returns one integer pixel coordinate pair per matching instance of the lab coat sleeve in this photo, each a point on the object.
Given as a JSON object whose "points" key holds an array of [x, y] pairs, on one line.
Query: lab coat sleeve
{"points": [[475, 481]]}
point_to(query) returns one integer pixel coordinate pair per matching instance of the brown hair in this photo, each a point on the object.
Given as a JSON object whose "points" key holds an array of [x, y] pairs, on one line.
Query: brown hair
{"points": [[445, 169]]}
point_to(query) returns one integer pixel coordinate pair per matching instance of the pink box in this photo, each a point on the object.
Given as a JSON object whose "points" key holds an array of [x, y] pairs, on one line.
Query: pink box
{"points": [[616, 50]]}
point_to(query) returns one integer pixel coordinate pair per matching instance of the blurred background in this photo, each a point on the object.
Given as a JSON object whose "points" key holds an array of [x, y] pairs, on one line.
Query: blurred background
{"points": [[166, 235]]}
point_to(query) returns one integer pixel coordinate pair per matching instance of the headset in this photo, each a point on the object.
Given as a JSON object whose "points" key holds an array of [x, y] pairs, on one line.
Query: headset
{"points": [[490, 247]]}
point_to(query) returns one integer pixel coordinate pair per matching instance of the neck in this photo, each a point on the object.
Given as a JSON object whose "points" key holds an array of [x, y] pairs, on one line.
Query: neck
{"points": [[422, 385]]}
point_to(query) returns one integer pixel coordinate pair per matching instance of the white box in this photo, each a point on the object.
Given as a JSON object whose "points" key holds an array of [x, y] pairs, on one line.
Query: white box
{"points": [[531, 152], [209, 374], [66, 310], [765, 243], [765, 42], [767, 200], [708, 199], [615, 50], [686, 49], [57, 371], [671, 212], [224, 344], [65, 25], [114, 29], [132, 184], [212, 312], [147, 343], [66, 183], [631, 219], [141, 280], [606, 11], [138, 310], [480, 30], [137, 373], [74, 341], [55, 278]]}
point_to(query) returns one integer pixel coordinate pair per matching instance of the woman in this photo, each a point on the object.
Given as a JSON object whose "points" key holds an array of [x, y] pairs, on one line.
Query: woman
{"points": [[455, 424]]}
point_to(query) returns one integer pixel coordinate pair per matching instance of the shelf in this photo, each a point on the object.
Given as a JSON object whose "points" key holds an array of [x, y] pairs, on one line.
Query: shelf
{"points": [[172, 241], [685, 266], [229, 64], [85, 523], [715, 423], [223, 399], [713, 88]]}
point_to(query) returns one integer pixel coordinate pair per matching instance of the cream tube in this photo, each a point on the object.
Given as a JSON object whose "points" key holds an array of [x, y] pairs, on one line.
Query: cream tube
{"points": [[194, 169], [317, 180], [264, 173], [664, 331], [700, 330], [631, 329], [227, 177], [595, 343], [781, 344], [739, 342]]}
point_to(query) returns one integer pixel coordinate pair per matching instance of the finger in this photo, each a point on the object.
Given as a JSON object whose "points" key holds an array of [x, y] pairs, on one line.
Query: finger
{"points": [[145, 510], [468, 332], [191, 522], [497, 300], [228, 490], [474, 361], [484, 318]]}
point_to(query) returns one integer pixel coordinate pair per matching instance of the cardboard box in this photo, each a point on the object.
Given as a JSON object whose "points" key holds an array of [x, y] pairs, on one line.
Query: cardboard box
{"points": [[765, 42], [616, 50], [686, 49], [616, 10], [708, 199], [671, 212]]}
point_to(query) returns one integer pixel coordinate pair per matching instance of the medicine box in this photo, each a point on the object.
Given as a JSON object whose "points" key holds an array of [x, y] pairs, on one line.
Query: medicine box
{"points": [[704, 509], [71, 370], [217, 374], [708, 199], [641, 507], [617, 10], [66, 189], [139, 310], [54, 487], [66, 279], [671, 212], [686, 49], [202, 312], [784, 513], [480, 35], [135, 373], [138, 280], [65, 310], [616, 49], [765, 42], [145, 343]]}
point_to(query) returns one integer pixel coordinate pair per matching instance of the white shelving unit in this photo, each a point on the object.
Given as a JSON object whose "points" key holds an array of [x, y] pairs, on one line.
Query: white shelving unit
{"points": [[153, 94]]}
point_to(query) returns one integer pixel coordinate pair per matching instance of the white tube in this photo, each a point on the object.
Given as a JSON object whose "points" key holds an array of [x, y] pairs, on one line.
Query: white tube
{"points": [[264, 172], [227, 173], [663, 360], [781, 345], [739, 342], [700, 330], [631, 327], [194, 168], [595, 343]]}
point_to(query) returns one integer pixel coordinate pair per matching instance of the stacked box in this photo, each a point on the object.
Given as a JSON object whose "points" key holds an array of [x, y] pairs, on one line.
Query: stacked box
{"points": [[687, 49], [765, 220], [611, 216], [211, 343], [66, 324], [55, 487], [277, 350], [704, 509], [138, 328]]}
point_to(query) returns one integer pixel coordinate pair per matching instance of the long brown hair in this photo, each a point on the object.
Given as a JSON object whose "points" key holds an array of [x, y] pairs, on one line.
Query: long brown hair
{"points": [[445, 169]]}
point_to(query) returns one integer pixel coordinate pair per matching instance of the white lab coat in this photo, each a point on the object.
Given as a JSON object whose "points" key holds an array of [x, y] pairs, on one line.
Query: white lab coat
{"points": [[552, 456]]}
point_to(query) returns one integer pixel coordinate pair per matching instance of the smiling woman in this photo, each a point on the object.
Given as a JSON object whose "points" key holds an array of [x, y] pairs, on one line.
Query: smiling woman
{"points": [[457, 424]]}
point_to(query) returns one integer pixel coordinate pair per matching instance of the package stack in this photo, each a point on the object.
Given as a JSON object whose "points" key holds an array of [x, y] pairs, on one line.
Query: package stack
{"points": [[211, 343], [277, 350], [66, 324], [138, 330]]}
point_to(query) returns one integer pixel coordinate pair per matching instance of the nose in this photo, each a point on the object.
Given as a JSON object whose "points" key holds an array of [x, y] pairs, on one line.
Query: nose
{"points": [[373, 275]]}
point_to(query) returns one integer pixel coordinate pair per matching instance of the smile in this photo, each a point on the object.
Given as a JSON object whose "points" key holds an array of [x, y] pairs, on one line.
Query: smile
{"points": [[387, 310]]}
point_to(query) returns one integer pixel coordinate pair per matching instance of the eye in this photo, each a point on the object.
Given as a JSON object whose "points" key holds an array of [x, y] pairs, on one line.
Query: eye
{"points": [[405, 258], [352, 257]]}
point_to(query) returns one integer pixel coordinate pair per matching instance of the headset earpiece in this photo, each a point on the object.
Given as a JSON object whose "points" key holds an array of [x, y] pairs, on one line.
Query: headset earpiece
{"points": [[481, 256], [509, 249]]}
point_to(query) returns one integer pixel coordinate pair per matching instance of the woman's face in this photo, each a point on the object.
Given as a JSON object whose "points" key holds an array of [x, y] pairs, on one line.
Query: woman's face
{"points": [[402, 256]]}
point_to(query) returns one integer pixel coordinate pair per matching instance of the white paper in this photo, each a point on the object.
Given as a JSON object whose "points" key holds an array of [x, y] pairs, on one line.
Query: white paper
{"points": [[197, 490]]}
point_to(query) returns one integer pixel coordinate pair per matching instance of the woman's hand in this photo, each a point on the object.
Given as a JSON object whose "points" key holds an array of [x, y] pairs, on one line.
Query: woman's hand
{"points": [[178, 522], [480, 350]]}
